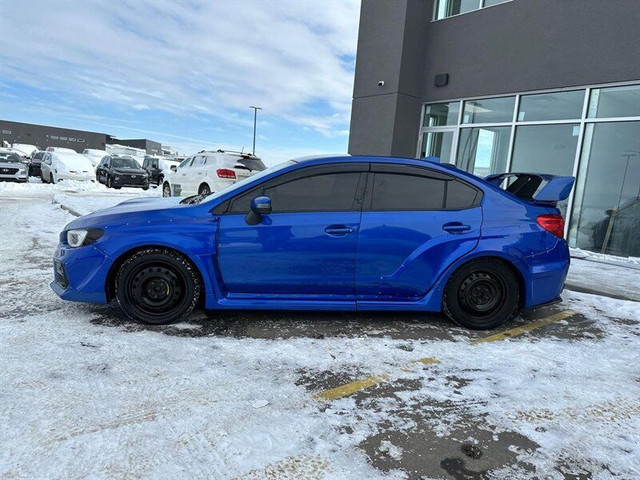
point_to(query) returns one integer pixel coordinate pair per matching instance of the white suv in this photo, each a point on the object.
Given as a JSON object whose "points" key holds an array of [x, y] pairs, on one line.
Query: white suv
{"points": [[208, 172]]}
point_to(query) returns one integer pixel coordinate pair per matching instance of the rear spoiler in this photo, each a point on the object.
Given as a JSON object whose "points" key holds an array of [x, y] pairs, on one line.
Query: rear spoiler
{"points": [[538, 188]]}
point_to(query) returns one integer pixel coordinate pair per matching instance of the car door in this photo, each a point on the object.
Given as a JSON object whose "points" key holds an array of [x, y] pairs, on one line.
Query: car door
{"points": [[306, 248], [45, 166], [415, 222]]}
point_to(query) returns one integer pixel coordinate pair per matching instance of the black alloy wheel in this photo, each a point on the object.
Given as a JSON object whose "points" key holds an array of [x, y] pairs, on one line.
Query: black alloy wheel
{"points": [[157, 286], [166, 190], [481, 294]]}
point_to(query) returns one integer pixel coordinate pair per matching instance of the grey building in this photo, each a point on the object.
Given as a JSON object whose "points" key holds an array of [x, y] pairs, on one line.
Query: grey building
{"points": [[494, 86], [151, 147], [43, 136]]}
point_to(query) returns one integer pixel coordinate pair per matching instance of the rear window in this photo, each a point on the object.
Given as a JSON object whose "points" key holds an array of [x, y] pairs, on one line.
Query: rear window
{"points": [[253, 164], [460, 195]]}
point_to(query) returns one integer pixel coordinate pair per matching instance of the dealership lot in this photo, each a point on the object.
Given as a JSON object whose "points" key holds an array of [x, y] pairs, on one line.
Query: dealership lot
{"points": [[87, 393]]}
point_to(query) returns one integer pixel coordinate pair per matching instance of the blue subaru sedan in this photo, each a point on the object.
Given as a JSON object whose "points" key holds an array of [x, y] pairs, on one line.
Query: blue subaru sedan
{"points": [[329, 233]]}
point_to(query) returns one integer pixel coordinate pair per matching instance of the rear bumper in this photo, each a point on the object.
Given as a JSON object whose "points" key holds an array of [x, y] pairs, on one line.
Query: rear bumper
{"points": [[548, 272], [79, 177], [80, 274]]}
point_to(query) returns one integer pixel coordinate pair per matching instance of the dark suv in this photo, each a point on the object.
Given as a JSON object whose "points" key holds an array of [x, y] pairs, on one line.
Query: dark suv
{"points": [[157, 167], [117, 172], [35, 161]]}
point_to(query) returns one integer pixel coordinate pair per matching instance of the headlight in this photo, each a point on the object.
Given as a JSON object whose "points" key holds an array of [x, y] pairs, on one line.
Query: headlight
{"points": [[82, 237], [21, 170]]}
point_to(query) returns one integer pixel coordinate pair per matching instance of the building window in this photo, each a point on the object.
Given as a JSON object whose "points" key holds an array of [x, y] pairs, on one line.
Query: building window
{"points": [[484, 150], [592, 132], [441, 114], [615, 102], [551, 106], [449, 8], [6, 132], [438, 144], [606, 211], [489, 110], [54, 137]]}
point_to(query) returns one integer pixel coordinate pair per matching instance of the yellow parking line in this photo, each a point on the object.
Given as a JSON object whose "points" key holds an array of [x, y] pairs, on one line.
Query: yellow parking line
{"points": [[374, 380], [352, 387], [514, 332]]}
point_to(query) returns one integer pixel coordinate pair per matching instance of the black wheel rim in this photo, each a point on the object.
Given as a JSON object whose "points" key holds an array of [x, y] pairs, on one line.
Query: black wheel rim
{"points": [[166, 191], [481, 294], [205, 191], [156, 290]]}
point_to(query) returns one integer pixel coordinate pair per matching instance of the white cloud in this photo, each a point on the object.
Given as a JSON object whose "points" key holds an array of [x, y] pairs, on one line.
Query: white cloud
{"points": [[294, 58]]}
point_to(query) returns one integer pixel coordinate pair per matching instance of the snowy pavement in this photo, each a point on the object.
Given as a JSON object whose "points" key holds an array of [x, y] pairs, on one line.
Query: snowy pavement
{"points": [[85, 393]]}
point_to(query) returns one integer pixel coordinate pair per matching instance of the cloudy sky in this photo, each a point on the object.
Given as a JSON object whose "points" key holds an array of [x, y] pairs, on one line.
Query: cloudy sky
{"points": [[184, 73]]}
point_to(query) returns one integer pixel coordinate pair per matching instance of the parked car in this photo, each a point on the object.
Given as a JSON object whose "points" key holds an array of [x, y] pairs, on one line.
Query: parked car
{"points": [[11, 167], [94, 155], [60, 165], [328, 233], [19, 153], [35, 161], [158, 168], [61, 150], [25, 148], [209, 172], [118, 172]]}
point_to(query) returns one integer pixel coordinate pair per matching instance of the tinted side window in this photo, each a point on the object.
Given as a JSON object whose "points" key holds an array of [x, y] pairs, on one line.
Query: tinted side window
{"points": [[318, 193], [460, 195], [407, 192]]}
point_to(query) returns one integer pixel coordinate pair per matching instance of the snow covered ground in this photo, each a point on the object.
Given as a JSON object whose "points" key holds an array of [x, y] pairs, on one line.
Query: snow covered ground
{"points": [[87, 394]]}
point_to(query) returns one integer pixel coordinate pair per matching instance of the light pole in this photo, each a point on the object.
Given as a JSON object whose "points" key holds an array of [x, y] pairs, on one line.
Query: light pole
{"points": [[255, 117]]}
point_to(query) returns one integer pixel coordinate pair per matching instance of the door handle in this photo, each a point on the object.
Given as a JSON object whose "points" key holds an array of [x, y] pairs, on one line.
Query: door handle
{"points": [[339, 230], [455, 227]]}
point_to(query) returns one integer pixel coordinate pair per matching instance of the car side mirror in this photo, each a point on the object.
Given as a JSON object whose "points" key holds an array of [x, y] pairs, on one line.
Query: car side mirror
{"points": [[173, 168], [259, 206]]}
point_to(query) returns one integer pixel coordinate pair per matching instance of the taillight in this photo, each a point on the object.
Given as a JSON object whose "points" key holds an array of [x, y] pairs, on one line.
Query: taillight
{"points": [[226, 173], [552, 223]]}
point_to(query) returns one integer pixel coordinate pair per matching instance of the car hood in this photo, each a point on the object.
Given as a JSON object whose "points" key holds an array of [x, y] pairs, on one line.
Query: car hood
{"points": [[127, 211], [129, 171], [11, 164]]}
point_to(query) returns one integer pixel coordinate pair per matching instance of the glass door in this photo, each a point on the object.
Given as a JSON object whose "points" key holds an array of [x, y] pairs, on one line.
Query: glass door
{"points": [[437, 143]]}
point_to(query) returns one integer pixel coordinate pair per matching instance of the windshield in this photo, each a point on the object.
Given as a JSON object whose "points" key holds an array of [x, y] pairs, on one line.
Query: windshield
{"points": [[124, 163], [248, 180], [9, 157]]}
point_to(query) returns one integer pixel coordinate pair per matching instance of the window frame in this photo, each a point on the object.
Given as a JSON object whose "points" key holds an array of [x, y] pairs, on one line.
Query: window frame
{"points": [[481, 6]]}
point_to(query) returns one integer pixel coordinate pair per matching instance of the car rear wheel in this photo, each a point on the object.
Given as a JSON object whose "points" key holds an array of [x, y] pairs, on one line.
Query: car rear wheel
{"points": [[157, 286], [481, 295], [204, 190], [166, 190]]}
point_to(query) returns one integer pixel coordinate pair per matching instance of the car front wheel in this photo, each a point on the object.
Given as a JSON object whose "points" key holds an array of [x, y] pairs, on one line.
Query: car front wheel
{"points": [[481, 294], [109, 184], [157, 286]]}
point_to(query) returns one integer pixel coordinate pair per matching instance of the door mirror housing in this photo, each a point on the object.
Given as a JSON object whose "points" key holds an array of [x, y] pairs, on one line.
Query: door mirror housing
{"points": [[259, 206], [173, 168]]}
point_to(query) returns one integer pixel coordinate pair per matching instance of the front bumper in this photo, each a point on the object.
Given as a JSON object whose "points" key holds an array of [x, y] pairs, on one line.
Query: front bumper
{"points": [[14, 174], [130, 181], [80, 273]]}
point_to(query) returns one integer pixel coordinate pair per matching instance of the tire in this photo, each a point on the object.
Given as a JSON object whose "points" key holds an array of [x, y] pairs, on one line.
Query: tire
{"points": [[204, 190], [157, 286], [481, 295], [146, 187], [52, 178], [109, 182], [166, 189]]}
